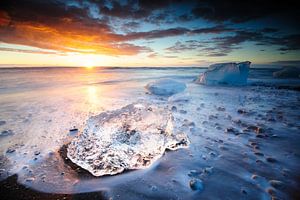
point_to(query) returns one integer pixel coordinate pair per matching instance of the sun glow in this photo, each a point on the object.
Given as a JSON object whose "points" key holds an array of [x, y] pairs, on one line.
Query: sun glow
{"points": [[88, 64]]}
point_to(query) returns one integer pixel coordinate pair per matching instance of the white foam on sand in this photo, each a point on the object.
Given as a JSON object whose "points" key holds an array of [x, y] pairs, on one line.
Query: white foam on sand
{"points": [[132, 137]]}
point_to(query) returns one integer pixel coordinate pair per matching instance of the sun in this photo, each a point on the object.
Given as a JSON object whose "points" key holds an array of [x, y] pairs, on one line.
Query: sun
{"points": [[88, 64]]}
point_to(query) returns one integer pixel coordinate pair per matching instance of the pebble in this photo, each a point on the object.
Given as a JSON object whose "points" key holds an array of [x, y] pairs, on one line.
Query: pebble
{"points": [[174, 108], [271, 160], [243, 191], [221, 109], [73, 131], [270, 191], [6, 133], [241, 111], [37, 153], [183, 111], [2, 122], [276, 183], [10, 150], [193, 173], [258, 153], [196, 184], [232, 130], [29, 179], [254, 176], [208, 170]]}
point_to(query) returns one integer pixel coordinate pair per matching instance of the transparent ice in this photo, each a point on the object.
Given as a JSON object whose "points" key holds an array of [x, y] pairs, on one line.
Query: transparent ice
{"points": [[225, 74], [132, 137]]}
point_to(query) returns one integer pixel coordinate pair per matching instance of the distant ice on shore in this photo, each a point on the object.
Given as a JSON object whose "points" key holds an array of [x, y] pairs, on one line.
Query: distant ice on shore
{"points": [[287, 72], [225, 74], [165, 87], [132, 137]]}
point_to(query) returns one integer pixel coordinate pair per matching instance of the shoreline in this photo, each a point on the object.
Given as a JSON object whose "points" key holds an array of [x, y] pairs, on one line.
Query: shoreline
{"points": [[11, 189]]}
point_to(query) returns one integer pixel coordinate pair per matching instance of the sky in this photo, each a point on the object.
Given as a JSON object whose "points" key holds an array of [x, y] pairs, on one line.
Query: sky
{"points": [[147, 32]]}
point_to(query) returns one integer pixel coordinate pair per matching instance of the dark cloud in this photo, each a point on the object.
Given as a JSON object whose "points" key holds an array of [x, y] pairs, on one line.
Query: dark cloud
{"points": [[216, 54], [187, 46], [269, 30], [287, 63], [86, 26], [289, 43], [57, 26], [241, 11], [172, 32], [223, 45]]}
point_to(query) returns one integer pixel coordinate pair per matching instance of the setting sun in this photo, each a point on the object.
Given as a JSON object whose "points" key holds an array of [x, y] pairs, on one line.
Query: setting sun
{"points": [[88, 64]]}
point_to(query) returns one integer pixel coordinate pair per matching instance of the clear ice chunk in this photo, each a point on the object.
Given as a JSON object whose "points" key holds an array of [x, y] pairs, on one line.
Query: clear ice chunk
{"points": [[225, 74], [165, 87], [132, 137]]}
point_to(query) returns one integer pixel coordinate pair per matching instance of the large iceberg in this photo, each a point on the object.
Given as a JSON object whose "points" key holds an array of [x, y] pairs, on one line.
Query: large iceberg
{"points": [[287, 72], [165, 87], [132, 137], [226, 74]]}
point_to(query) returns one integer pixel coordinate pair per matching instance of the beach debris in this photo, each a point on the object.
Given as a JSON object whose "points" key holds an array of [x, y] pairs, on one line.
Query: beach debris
{"points": [[132, 137], [165, 87]]}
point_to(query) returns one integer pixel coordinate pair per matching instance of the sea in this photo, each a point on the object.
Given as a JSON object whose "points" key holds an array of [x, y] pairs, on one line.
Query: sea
{"points": [[244, 141]]}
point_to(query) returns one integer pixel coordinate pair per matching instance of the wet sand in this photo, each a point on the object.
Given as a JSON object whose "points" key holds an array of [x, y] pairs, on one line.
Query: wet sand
{"points": [[11, 189]]}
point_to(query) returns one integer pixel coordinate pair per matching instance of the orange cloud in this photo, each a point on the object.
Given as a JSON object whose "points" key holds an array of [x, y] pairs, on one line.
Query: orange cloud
{"points": [[4, 18]]}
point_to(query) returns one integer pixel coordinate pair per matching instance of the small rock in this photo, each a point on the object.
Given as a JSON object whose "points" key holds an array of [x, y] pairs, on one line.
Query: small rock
{"points": [[29, 179], [194, 173], [73, 131], [196, 184], [260, 136], [243, 191], [183, 111], [2, 122], [37, 153], [10, 150], [271, 160], [258, 153], [270, 191], [220, 109], [174, 108], [192, 124], [6, 133], [241, 111], [153, 188], [208, 170], [232, 130], [276, 183], [254, 176]]}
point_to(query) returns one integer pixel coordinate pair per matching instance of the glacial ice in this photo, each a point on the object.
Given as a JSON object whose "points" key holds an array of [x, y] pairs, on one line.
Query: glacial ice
{"points": [[287, 72], [165, 87], [225, 73], [132, 137]]}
